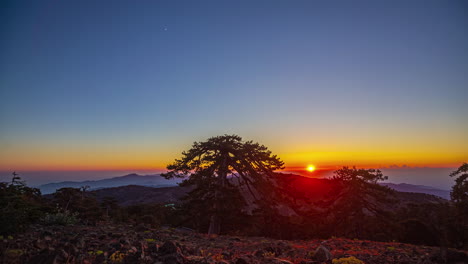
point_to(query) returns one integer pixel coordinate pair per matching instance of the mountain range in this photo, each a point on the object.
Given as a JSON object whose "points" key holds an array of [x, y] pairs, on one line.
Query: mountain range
{"points": [[404, 187], [155, 180]]}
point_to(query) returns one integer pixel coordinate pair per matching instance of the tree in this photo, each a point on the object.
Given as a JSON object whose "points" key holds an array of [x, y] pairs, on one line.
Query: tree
{"points": [[110, 206], [356, 198], [77, 200], [21, 205], [212, 166], [459, 196], [459, 193]]}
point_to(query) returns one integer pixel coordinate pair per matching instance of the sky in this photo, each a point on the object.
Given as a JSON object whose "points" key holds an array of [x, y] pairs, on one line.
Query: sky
{"points": [[127, 86]]}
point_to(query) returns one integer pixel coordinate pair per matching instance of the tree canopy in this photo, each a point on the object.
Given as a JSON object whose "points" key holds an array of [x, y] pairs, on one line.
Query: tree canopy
{"points": [[357, 195], [220, 166], [459, 193], [21, 205]]}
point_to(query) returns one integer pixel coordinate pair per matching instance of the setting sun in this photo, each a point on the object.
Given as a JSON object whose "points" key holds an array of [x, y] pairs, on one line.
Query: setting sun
{"points": [[311, 168]]}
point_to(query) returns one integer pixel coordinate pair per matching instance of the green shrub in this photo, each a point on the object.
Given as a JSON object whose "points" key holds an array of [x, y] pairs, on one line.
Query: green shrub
{"points": [[60, 218], [348, 260], [21, 206]]}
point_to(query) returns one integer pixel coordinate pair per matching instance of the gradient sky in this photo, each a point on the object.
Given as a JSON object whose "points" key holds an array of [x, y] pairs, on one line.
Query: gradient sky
{"points": [[118, 85]]}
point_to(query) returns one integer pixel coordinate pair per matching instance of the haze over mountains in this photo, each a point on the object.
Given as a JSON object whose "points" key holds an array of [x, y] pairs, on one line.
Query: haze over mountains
{"points": [[156, 181], [404, 187], [433, 177]]}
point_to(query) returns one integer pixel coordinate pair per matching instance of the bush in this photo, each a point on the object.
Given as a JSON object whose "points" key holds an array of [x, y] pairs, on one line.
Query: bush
{"points": [[348, 260], [21, 206], [60, 218]]}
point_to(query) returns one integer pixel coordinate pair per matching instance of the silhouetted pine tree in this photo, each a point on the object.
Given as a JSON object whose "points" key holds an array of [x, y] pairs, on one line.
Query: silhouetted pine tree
{"points": [[213, 165]]}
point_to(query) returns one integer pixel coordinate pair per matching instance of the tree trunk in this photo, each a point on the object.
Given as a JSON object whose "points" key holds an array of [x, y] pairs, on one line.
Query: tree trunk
{"points": [[444, 229], [215, 220], [215, 225]]}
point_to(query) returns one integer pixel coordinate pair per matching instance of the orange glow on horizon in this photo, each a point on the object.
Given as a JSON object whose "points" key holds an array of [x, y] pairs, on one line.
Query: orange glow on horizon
{"points": [[124, 158], [161, 166]]}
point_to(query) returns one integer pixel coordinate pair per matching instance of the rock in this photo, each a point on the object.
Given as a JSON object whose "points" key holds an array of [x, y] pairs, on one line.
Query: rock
{"points": [[290, 253], [170, 253], [100, 258], [173, 259], [50, 256], [322, 254], [116, 245], [451, 256], [227, 254], [280, 261], [73, 250], [259, 253], [132, 258], [168, 247], [241, 260], [93, 234], [276, 251], [79, 242], [185, 229], [284, 245], [45, 234], [199, 260], [454, 256], [62, 254], [45, 256], [141, 228], [40, 244], [133, 249]]}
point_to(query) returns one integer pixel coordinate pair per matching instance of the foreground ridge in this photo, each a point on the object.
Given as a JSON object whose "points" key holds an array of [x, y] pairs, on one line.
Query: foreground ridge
{"points": [[139, 244]]}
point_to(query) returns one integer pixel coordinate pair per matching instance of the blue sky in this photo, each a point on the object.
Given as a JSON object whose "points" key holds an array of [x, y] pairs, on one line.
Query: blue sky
{"points": [[314, 80]]}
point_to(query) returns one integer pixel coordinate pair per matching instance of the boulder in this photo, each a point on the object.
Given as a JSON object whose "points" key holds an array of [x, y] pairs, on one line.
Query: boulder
{"points": [[241, 260], [280, 261], [259, 253], [322, 254], [170, 253], [168, 247]]}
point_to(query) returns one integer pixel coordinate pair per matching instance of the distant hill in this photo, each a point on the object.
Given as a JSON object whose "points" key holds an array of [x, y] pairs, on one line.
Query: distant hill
{"points": [[133, 194], [404, 187], [306, 184], [131, 179]]}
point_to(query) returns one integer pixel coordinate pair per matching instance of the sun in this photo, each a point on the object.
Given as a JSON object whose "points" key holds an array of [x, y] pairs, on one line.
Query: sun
{"points": [[311, 168]]}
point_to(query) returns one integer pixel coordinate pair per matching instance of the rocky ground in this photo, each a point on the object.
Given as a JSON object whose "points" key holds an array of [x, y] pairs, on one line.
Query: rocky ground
{"points": [[128, 244]]}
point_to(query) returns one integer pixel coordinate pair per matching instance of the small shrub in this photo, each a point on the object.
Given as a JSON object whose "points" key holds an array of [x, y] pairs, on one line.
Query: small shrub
{"points": [[60, 218], [218, 257], [117, 256], [348, 260], [269, 254], [95, 253], [14, 252]]}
